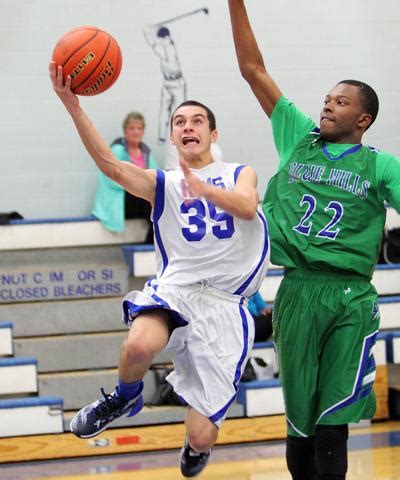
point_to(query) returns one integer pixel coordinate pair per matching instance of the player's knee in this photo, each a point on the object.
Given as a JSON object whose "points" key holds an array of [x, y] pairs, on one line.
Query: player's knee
{"points": [[202, 435], [201, 441], [300, 457], [331, 451], [137, 350]]}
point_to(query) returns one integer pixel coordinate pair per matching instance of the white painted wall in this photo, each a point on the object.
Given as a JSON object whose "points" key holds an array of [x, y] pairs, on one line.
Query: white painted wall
{"points": [[308, 46]]}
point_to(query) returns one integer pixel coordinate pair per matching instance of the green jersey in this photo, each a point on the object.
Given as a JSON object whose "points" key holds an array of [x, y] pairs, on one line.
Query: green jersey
{"points": [[325, 206]]}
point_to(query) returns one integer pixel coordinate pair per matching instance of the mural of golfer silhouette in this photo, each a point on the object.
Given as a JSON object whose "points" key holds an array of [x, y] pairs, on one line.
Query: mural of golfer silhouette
{"points": [[173, 88]]}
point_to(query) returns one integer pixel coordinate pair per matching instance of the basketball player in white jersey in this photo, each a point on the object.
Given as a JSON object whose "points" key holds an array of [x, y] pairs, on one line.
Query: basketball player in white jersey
{"points": [[212, 252]]}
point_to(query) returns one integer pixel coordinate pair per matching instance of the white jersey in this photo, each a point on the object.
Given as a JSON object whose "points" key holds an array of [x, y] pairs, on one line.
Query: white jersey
{"points": [[198, 242]]}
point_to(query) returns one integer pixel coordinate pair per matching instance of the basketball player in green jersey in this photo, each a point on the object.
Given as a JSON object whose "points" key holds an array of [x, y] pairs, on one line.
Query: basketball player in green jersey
{"points": [[326, 213]]}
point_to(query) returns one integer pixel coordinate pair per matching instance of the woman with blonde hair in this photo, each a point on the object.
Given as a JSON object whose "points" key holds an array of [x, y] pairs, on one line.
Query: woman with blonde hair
{"points": [[112, 204]]}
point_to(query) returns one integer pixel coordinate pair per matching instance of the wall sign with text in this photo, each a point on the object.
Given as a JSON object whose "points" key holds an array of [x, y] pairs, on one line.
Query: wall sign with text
{"points": [[31, 286]]}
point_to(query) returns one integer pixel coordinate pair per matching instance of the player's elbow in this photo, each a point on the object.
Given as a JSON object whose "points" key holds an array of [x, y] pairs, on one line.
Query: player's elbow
{"points": [[249, 212], [112, 170], [251, 71], [117, 174], [248, 216]]}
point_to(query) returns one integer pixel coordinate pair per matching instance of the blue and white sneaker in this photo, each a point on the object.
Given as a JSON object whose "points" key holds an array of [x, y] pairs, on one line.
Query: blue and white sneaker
{"points": [[94, 418], [191, 462]]}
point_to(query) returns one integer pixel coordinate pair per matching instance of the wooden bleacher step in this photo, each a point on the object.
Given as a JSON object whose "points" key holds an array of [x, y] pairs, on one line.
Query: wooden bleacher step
{"points": [[77, 352], [140, 259], [393, 347], [386, 279], [394, 373], [72, 352], [396, 347], [261, 397], [18, 375], [389, 308], [141, 263], [31, 416], [6, 339], [83, 387], [66, 232], [381, 386], [64, 317], [381, 348]]}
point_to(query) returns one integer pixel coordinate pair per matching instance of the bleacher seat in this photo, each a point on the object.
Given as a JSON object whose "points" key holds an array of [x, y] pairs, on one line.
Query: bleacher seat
{"points": [[21, 415], [396, 347], [31, 416], [261, 397], [6, 344], [389, 310], [18, 375], [381, 348], [393, 347], [386, 279], [67, 232], [141, 263], [141, 260]]}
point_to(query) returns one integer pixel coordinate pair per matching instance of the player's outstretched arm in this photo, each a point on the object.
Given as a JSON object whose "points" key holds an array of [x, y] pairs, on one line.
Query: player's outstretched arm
{"points": [[250, 60], [241, 202], [137, 181]]}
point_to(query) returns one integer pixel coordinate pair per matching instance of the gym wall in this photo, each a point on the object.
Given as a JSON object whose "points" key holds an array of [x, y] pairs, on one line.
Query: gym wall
{"points": [[307, 46]]}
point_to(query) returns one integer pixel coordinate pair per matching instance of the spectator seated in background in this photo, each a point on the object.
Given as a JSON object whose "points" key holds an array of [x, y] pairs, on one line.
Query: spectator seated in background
{"points": [[112, 204], [262, 315]]}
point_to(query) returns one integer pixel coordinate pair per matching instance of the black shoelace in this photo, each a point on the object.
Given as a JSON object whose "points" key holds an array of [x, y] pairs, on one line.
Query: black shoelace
{"points": [[108, 406]]}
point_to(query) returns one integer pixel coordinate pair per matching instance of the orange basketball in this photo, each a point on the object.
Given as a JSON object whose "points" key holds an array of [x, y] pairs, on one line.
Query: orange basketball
{"points": [[91, 56]]}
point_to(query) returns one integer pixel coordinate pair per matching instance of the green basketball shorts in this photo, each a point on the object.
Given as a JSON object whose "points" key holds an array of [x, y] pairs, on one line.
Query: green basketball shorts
{"points": [[325, 327]]}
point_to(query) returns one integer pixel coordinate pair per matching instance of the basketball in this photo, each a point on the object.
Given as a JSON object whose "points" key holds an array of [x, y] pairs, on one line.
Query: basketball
{"points": [[91, 57]]}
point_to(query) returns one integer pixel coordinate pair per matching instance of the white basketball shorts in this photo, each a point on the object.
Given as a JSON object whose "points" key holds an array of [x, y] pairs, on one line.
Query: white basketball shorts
{"points": [[211, 344]]}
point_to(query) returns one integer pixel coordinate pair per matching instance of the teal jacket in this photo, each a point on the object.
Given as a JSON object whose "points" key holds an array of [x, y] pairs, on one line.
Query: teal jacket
{"points": [[109, 201]]}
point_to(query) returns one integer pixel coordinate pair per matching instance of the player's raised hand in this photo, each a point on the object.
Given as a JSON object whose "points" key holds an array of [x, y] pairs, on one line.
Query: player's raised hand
{"points": [[196, 187], [63, 91]]}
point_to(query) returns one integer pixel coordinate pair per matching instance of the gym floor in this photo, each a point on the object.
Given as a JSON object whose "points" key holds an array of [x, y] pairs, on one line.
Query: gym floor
{"points": [[374, 454]]}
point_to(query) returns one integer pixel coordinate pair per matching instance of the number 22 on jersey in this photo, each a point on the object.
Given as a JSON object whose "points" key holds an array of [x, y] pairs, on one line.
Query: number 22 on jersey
{"points": [[334, 209]]}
